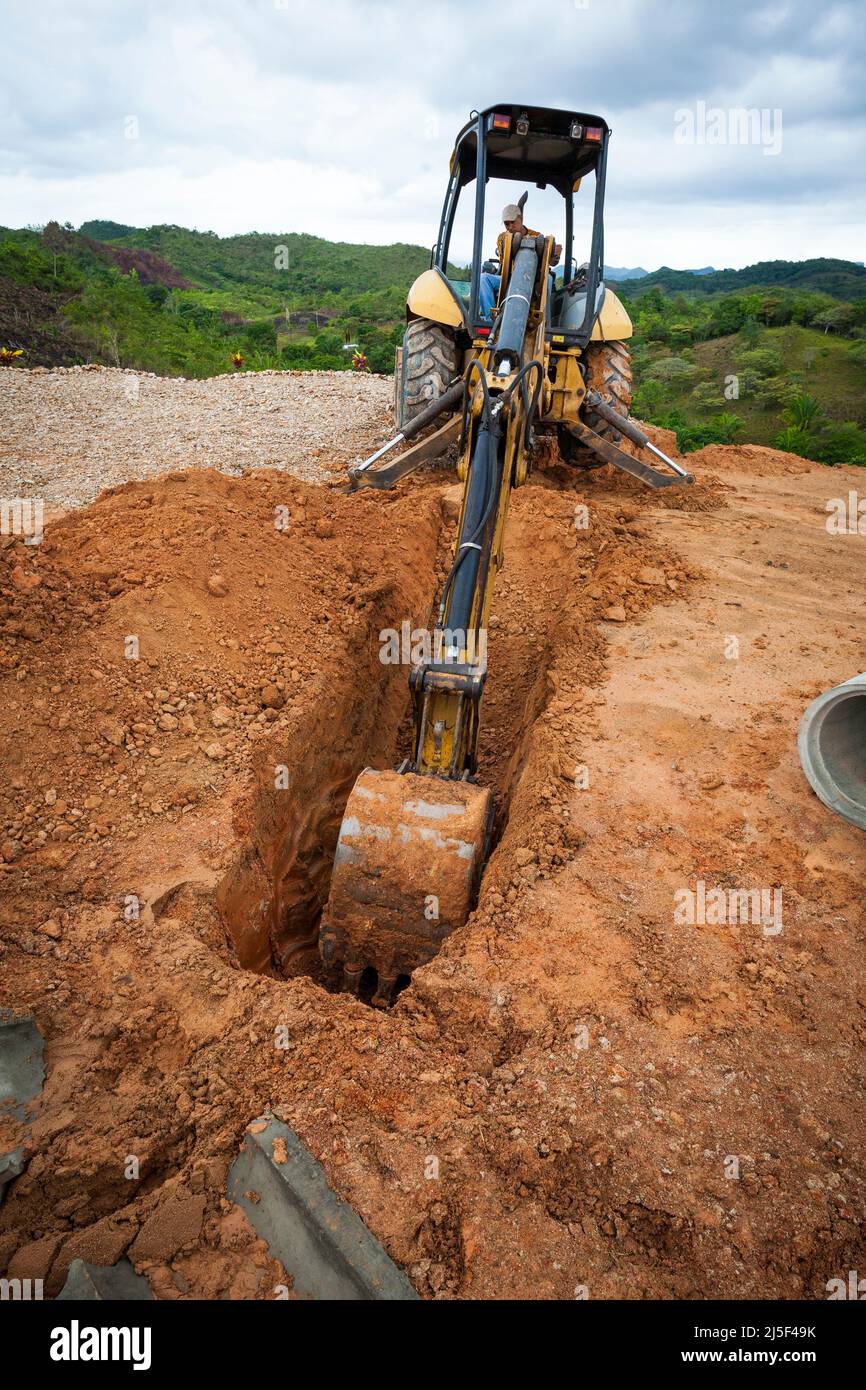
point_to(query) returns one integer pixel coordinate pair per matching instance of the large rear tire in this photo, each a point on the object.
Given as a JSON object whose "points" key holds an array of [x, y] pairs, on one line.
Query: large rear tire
{"points": [[608, 371], [428, 366]]}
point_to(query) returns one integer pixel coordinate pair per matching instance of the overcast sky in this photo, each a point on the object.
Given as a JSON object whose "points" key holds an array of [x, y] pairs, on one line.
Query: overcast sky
{"points": [[338, 118]]}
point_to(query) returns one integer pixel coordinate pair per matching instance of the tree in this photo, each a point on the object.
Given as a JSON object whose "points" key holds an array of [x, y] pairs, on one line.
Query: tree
{"points": [[672, 369], [795, 441], [727, 425], [843, 444], [802, 412], [836, 319]]}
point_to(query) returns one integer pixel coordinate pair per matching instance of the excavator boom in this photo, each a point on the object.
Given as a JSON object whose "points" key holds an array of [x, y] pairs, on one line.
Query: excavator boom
{"points": [[413, 841]]}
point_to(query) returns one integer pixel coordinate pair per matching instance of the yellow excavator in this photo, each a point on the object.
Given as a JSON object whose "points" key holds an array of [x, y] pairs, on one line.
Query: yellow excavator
{"points": [[552, 359]]}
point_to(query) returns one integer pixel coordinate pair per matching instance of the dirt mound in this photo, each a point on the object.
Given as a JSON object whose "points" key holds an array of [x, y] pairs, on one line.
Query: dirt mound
{"points": [[755, 458], [191, 680]]}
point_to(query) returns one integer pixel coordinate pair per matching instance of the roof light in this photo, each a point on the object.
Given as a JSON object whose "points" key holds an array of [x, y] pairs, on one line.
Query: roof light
{"points": [[501, 121], [522, 124], [576, 131], [594, 132]]}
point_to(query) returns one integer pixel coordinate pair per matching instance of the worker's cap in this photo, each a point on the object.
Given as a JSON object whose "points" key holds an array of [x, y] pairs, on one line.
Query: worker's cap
{"points": [[511, 212]]}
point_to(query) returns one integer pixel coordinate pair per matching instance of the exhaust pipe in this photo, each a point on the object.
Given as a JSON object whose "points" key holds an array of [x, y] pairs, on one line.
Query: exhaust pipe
{"points": [[832, 747]]}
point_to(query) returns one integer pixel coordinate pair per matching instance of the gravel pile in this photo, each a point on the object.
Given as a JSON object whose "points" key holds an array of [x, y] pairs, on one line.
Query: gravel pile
{"points": [[68, 433]]}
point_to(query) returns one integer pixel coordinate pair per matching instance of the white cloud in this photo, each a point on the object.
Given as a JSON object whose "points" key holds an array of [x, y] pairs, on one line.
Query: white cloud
{"points": [[338, 119]]}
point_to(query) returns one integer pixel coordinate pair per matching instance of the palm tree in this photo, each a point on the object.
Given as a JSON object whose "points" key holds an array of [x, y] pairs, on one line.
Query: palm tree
{"points": [[730, 425], [802, 412]]}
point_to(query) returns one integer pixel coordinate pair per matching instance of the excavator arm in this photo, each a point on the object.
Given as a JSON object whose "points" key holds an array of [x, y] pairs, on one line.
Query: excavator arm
{"points": [[413, 841]]}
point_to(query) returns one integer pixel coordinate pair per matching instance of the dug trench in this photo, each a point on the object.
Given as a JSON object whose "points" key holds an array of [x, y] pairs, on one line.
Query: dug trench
{"points": [[272, 898], [534, 1115]]}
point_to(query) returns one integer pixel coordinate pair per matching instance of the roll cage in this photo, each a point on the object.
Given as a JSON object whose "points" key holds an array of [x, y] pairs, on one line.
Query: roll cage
{"points": [[530, 144]]}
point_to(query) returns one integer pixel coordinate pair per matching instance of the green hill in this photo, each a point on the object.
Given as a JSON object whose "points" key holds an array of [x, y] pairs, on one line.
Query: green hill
{"points": [[171, 300], [279, 262], [842, 279], [790, 335]]}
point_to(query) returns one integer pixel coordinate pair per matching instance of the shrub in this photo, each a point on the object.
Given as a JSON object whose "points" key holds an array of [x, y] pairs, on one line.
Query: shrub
{"points": [[802, 411], [842, 444], [672, 369], [795, 441]]}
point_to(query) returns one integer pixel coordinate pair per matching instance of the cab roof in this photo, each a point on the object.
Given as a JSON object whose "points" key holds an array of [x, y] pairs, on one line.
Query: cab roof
{"points": [[547, 154]]}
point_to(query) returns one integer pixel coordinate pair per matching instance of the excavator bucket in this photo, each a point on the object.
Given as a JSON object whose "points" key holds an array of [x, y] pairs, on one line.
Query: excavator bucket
{"points": [[406, 872]]}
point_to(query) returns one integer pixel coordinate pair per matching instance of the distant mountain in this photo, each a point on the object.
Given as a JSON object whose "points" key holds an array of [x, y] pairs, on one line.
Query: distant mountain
{"points": [[616, 272], [841, 279], [105, 231]]}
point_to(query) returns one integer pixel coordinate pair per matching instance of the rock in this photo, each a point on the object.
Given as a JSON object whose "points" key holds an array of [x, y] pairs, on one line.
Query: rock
{"points": [[50, 796], [167, 723], [103, 1243], [33, 1261], [23, 581], [56, 856], [112, 732], [176, 1222], [217, 586], [220, 716], [272, 697], [647, 574], [215, 752], [324, 528], [52, 929], [615, 614], [524, 855]]}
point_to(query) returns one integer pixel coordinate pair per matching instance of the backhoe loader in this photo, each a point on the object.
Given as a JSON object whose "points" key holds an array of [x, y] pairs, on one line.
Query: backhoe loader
{"points": [[413, 841]]}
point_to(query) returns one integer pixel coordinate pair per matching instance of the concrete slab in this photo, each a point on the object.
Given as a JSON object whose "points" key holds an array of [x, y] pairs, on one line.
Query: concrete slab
{"points": [[11, 1166], [21, 1069], [21, 1076], [320, 1239], [87, 1283]]}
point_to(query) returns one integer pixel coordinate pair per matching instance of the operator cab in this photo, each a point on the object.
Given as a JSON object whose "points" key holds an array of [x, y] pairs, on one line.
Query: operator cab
{"points": [[553, 150]]}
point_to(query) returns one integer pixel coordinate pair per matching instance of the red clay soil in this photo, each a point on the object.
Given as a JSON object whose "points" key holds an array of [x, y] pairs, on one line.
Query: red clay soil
{"points": [[554, 1104]]}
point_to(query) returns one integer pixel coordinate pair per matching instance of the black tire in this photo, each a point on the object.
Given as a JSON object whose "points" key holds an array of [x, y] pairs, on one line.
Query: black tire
{"points": [[429, 366], [608, 371]]}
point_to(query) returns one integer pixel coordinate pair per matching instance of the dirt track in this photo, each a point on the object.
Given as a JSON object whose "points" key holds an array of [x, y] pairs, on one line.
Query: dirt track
{"points": [[582, 1065]]}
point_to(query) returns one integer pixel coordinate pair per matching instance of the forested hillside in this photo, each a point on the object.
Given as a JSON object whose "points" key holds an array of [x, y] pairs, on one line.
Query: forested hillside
{"points": [[774, 353]]}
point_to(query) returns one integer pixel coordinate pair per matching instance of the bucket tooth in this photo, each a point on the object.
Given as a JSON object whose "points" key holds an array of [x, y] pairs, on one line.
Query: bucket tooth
{"points": [[352, 979], [384, 993], [406, 873]]}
